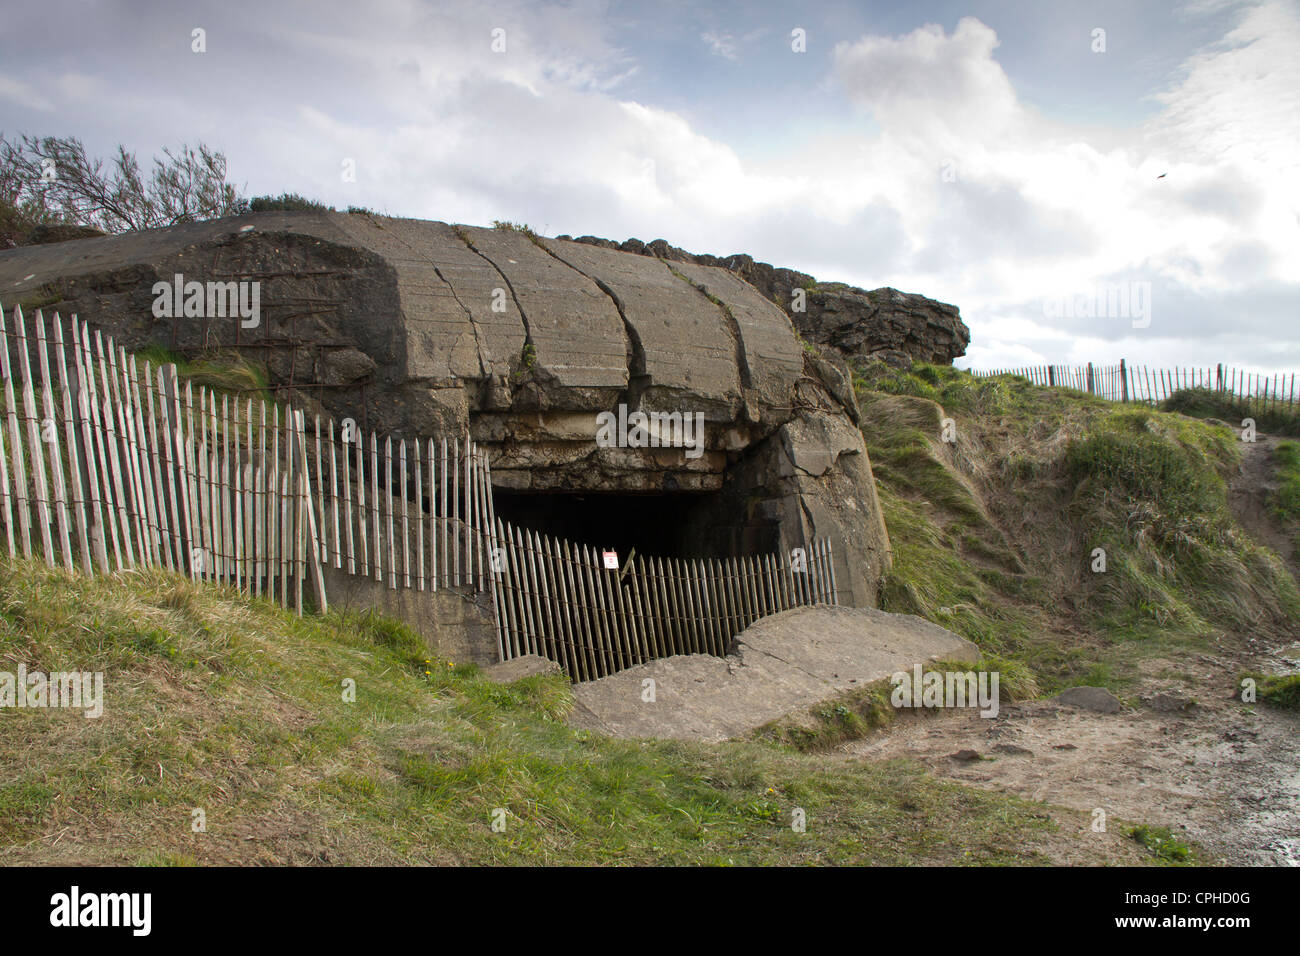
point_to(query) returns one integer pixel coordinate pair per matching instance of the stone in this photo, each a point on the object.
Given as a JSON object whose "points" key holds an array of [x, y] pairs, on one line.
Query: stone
{"points": [[895, 327], [579, 342], [885, 325], [780, 665], [1097, 699], [770, 357], [682, 349], [1012, 750], [345, 366], [1169, 703], [528, 665]]}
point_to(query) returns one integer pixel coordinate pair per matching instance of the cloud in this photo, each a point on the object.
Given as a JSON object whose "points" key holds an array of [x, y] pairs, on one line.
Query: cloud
{"points": [[1031, 210], [23, 94], [1233, 115], [721, 44], [930, 85]]}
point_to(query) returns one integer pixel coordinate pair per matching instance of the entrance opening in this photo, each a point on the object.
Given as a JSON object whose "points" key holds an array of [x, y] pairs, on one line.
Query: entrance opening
{"points": [[674, 524]]}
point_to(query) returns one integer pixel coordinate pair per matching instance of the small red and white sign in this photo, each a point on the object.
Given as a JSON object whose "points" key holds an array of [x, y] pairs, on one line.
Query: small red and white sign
{"points": [[610, 559]]}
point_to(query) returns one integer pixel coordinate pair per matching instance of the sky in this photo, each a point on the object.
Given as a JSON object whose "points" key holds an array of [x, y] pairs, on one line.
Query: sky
{"points": [[1085, 181]]}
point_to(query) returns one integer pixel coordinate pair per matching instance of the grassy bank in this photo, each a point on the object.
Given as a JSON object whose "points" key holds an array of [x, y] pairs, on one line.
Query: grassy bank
{"points": [[229, 705], [1070, 534]]}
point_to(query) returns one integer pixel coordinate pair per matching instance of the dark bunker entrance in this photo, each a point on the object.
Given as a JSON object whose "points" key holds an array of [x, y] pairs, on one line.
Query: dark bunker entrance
{"points": [[667, 524]]}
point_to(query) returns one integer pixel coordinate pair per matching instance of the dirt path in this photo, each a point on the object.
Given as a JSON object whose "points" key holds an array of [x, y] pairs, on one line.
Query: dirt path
{"points": [[1249, 494], [1225, 776]]}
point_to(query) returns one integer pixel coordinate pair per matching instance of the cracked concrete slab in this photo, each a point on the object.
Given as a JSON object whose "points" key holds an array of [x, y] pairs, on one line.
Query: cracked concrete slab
{"points": [[781, 665], [447, 294], [772, 354], [573, 325], [690, 355]]}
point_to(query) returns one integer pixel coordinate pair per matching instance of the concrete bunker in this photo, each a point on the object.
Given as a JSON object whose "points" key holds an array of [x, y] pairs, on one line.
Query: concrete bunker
{"points": [[423, 329]]}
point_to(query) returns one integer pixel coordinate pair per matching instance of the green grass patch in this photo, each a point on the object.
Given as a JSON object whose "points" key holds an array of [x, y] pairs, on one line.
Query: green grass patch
{"points": [[1150, 490], [224, 371], [1286, 501], [287, 202], [522, 228], [848, 716], [1162, 843], [929, 578], [1276, 690]]}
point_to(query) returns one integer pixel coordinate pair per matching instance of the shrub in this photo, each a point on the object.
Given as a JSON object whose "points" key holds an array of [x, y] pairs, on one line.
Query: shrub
{"points": [[287, 202]]}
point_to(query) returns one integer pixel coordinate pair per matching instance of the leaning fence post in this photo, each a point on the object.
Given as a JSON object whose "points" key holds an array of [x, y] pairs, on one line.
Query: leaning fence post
{"points": [[313, 537]]}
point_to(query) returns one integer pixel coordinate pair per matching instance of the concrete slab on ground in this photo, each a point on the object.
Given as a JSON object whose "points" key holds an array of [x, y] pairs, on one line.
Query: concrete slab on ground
{"points": [[782, 664]]}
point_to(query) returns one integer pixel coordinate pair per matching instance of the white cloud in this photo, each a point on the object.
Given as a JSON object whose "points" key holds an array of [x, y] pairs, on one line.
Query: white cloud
{"points": [[23, 94], [930, 86], [721, 44]]}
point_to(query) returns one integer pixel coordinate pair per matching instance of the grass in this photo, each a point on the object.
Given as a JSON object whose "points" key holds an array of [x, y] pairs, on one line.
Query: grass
{"points": [[856, 713], [996, 529], [224, 371], [1231, 409], [1152, 488], [1286, 500], [228, 704], [1276, 690], [287, 202], [42, 298], [931, 579], [1162, 843], [523, 228], [849, 716]]}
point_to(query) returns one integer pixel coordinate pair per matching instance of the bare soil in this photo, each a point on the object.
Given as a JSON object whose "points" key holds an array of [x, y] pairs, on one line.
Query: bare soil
{"points": [[1224, 775], [1249, 494]]}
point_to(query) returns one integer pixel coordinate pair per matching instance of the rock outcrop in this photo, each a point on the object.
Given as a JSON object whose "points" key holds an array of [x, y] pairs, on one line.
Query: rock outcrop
{"points": [[880, 325], [421, 328]]}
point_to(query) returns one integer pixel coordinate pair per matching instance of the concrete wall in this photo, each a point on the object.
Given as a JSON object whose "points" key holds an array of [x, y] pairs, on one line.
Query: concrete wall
{"points": [[458, 626]]}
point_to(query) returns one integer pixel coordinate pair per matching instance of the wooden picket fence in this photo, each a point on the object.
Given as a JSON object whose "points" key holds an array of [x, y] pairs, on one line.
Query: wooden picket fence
{"points": [[109, 464], [557, 599], [398, 536], [1142, 383], [138, 471], [123, 469]]}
